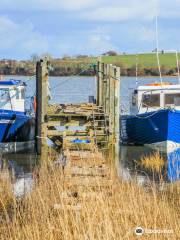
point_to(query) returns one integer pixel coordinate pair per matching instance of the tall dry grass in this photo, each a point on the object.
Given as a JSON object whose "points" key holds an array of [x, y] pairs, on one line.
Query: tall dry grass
{"points": [[55, 210]]}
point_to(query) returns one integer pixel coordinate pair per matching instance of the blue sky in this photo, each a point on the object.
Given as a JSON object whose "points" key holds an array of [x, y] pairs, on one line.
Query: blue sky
{"points": [[72, 27]]}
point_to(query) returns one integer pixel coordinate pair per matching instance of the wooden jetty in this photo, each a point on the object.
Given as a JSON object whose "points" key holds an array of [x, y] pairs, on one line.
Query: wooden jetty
{"points": [[92, 151]]}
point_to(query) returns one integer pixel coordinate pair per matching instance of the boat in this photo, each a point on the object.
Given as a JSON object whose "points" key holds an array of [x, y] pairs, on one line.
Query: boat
{"points": [[17, 125], [154, 118]]}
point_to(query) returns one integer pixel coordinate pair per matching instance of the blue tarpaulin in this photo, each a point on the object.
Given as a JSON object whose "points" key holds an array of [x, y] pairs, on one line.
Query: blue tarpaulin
{"points": [[80, 141]]}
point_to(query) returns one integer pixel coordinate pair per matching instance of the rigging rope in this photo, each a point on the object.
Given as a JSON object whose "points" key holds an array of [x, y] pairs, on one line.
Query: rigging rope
{"points": [[136, 69], [68, 79]]}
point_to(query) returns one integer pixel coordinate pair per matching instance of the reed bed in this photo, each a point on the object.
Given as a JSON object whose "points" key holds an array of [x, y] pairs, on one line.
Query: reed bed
{"points": [[55, 210]]}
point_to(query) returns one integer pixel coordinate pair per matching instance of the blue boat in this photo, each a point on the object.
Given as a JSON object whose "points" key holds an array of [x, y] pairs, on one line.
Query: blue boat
{"points": [[17, 126], [154, 118], [173, 165]]}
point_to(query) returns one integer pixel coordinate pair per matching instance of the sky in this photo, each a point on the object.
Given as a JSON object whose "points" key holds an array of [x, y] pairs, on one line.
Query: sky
{"points": [[88, 27]]}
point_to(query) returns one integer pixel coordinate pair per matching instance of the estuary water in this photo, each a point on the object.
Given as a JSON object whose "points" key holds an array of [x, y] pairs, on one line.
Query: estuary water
{"points": [[78, 90]]}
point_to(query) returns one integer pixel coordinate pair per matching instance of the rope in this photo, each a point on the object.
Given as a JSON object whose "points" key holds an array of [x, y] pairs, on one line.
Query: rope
{"points": [[68, 79], [149, 116]]}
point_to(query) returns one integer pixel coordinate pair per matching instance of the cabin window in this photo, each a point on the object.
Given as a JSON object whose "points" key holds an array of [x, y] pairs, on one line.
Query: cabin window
{"points": [[4, 95], [134, 100], [17, 94], [172, 99], [22, 93], [151, 100]]}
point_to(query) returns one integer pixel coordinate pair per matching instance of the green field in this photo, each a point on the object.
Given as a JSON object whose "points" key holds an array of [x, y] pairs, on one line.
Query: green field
{"points": [[145, 60], [147, 65]]}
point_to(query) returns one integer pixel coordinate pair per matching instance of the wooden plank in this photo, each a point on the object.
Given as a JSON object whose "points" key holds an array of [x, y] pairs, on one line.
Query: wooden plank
{"points": [[88, 182], [96, 170], [75, 114], [71, 123], [60, 133]]}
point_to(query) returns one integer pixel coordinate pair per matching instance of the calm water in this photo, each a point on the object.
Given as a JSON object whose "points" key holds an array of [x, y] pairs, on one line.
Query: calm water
{"points": [[76, 90]]}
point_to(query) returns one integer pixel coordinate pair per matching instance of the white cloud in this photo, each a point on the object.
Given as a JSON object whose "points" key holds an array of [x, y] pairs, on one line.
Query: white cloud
{"points": [[147, 34], [20, 38], [132, 9], [108, 22], [101, 10], [168, 9], [48, 4], [100, 43]]}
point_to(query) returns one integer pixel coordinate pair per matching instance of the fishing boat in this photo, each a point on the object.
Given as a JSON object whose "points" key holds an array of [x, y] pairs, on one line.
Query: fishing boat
{"points": [[154, 118], [17, 126]]}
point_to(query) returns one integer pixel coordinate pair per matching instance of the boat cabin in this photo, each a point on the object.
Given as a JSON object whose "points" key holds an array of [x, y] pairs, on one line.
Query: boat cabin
{"points": [[12, 95], [152, 97]]}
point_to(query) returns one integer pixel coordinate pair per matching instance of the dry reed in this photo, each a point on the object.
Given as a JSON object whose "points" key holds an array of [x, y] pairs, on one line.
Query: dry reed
{"points": [[55, 210]]}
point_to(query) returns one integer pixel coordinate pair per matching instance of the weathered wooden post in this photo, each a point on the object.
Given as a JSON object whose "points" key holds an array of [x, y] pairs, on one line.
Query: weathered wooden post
{"points": [[111, 101], [99, 83], [114, 115], [117, 118], [42, 102], [108, 97], [107, 107]]}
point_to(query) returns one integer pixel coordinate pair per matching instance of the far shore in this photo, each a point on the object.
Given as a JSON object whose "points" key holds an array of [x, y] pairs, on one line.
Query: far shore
{"points": [[139, 77]]}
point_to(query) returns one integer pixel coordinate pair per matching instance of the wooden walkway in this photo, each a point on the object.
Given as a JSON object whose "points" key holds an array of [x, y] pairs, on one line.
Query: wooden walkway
{"points": [[68, 123], [86, 136]]}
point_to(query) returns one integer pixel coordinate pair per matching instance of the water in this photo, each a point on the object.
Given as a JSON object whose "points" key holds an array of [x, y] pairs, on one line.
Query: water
{"points": [[77, 90]]}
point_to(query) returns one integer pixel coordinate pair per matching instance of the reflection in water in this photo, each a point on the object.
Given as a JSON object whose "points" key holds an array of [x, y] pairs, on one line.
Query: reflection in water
{"points": [[174, 165], [75, 90], [18, 168], [131, 165]]}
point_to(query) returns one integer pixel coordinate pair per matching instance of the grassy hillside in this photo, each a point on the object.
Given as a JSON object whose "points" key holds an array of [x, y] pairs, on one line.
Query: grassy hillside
{"points": [[145, 60], [147, 65]]}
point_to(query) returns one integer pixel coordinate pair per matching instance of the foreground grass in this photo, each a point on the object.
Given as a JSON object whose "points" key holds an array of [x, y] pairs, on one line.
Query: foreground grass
{"points": [[54, 210]]}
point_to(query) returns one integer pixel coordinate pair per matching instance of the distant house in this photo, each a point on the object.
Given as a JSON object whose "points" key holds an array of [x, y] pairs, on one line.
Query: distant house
{"points": [[8, 62], [110, 53]]}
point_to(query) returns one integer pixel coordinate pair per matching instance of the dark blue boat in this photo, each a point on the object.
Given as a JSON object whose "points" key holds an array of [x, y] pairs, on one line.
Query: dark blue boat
{"points": [[158, 129], [17, 127], [154, 119]]}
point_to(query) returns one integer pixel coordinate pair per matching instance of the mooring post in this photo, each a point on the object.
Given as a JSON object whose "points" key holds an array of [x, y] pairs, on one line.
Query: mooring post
{"points": [[108, 96], [117, 118], [107, 89], [111, 101], [42, 102], [99, 82], [104, 86], [114, 113]]}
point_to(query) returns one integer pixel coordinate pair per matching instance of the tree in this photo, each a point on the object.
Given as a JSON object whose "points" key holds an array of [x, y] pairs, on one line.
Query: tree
{"points": [[110, 53]]}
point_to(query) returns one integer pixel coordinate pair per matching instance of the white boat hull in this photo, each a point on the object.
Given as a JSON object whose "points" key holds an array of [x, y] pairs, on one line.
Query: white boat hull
{"points": [[165, 146]]}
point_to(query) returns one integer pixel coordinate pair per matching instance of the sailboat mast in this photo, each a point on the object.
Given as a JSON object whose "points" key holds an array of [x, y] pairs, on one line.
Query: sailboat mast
{"points": [[157, 49]]}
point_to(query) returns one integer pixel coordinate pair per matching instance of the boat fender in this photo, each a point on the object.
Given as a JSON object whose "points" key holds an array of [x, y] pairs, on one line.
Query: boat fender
{"points": [[35, 104]]}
